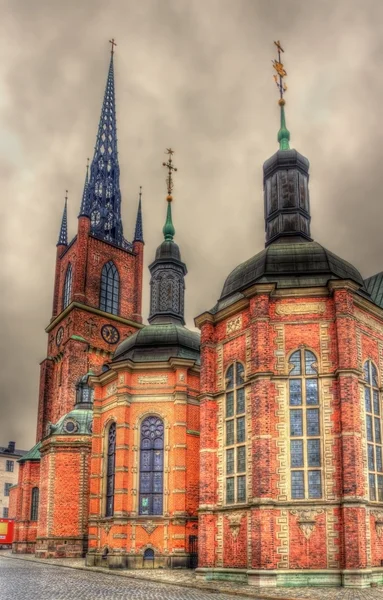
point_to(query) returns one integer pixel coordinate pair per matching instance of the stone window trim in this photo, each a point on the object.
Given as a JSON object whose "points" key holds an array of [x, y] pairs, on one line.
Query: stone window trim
{"points": [[235, 436], [374, 439], [305, 426], [67, 295]]}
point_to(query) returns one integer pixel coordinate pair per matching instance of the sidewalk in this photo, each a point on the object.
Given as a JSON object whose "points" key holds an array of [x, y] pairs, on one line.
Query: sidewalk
{"points": [[186, 578]]}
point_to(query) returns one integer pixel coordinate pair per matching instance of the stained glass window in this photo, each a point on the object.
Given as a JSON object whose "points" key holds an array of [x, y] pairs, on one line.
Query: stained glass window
{"points": [[235, 436], [373, 431], [110, 470], [35, 504], [305, 444], [151, 466], [110, 288], [67, 296]]}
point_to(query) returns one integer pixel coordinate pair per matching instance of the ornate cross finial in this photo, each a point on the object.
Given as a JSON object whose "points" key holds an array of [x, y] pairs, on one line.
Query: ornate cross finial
{"points": [[140, 192], [66, 195], [281, 73], [113, 44], [170, 167]]}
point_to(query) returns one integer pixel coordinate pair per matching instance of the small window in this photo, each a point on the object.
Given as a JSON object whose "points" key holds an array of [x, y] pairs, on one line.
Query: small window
{"points": [[9, 466], [110, 288], [35, 504], [7, 487], [5, 512], [67, 296]]}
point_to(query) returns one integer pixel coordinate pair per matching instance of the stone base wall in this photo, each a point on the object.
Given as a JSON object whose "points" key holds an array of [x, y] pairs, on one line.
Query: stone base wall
{"points": [[70, 547], [137, 561], [23, 547]]}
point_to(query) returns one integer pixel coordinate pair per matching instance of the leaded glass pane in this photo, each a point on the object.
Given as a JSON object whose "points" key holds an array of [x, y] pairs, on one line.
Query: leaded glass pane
{"points": [[371, 482], [367, 399], [310, 359], [240, 374], [240, 430], [241, 489], [241, 459], [296, 453], [378, 453], [230, 404], [157, 505], [144, 505], [374, 375], [369, 428], [297, 485], [295, 392], [230, 461], [315, 488], [313, 453], [311, 391], [295, 359], [157, 483], [371, 465], [230, 377], [376, 402], [230, 490], [296, 425], [240, 401], [146, 482], [366, 371], [312, 421], [229, 432], [377, 430], [380, 488]]}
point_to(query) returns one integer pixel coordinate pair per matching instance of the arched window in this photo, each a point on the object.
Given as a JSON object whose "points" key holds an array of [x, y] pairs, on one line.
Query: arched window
{"points": [[305, 441], [235, 440], [373, 431], [110, 288], [110, 470], [151, 466], [67, 296], [35, 504]]}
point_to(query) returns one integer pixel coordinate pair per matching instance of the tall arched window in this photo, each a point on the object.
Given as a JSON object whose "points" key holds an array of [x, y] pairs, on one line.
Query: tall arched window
{"points": [[373, 431], [110, 470], [110, 288], [235, 440], [35, 504], [151, 466], [67, 296], [305, 441]]}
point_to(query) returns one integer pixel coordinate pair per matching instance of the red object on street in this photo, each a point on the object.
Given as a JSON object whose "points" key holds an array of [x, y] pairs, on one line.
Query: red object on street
{"points": [[6, 532]]}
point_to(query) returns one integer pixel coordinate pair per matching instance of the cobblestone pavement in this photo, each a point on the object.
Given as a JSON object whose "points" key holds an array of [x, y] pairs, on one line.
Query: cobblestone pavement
{"points": [[25, 577]]}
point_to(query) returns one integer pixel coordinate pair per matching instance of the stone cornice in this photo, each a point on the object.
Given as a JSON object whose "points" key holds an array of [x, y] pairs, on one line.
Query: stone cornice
{"points": [[94, 311], [343, 284], [369, 307]]}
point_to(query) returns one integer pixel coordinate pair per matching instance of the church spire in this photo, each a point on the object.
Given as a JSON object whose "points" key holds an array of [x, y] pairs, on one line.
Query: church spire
{"points": [[167, 285], [84, 209], [138, 233], [103, 197], [283, 133], [63, 235]]}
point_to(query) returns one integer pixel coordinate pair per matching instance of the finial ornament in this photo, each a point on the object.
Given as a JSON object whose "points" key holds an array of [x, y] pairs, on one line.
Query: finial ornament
{"points": [[113, 44], [171, 168], [283, 134], [140, 194]]}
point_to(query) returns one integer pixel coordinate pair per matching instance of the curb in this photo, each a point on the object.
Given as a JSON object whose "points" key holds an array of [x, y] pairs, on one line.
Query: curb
{"points": [[212, 590]]}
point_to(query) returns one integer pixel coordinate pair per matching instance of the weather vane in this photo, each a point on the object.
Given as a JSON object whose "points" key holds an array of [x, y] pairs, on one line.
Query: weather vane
{"points": [[171, 168], [113, 44], [281, 73]]}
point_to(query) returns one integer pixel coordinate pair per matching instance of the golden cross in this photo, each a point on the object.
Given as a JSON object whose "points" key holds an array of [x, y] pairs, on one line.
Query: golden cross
{"points": [[113, 44], [281, 72], [170, 167]]}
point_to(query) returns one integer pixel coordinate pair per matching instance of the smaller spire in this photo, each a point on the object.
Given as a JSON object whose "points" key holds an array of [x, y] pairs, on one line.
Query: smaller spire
{"points": [[84, 209], [283, 133], [138, 234], [168, 229], [63, 236]]}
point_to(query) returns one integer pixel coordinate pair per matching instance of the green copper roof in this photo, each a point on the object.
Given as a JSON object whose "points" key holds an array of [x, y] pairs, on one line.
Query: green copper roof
{"points": [[80, 418], [283, 133], [374, 286], [33, 454], [168, 229]]}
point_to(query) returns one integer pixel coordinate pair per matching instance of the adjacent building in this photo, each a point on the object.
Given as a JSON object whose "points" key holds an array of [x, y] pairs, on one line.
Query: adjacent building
{"points": [[9, 472]]}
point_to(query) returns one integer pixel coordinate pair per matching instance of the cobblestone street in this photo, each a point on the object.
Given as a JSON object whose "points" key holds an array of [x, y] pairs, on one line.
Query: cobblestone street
{"points": [[67, 579]]}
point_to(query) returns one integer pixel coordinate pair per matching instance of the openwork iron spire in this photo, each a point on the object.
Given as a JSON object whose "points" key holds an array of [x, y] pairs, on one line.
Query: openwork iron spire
{"points": [[84, 209], [103, 198], [283, 133], [63, 236], [139, 234]]}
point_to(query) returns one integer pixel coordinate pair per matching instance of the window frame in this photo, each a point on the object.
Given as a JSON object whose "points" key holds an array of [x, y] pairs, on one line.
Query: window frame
{"points": [[11, 465], [35, 498], [110, 457], [110, 286], [67, 290], [7, 487], [373, 417], [237, 476], [303, 474], [157, 447]]}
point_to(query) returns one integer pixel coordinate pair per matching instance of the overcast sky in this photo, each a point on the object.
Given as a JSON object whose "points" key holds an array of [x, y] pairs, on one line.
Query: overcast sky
{"points": [[195, 75]]}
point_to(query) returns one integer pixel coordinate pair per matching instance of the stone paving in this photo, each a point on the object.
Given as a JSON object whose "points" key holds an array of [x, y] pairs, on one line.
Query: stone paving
{"points": [[36, 579]]}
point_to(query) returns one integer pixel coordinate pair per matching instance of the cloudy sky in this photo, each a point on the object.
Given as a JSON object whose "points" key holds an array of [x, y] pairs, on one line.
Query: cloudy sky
{"points": [[196, 75]]}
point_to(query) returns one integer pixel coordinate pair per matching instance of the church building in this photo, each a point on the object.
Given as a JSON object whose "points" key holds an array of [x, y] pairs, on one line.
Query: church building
{"points": [[254, 447]]}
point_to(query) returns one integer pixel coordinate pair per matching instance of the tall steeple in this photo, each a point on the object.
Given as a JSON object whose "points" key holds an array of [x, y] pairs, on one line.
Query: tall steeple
{"points": [[138, 232], [84, 209], [63, 235], [103, 197], [167, 285], [285, 180]]}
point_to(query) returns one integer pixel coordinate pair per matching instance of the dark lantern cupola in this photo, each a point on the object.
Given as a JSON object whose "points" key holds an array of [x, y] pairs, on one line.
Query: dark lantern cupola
{"points": [[285, 181]]}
